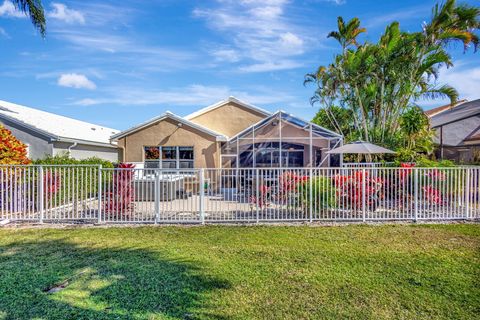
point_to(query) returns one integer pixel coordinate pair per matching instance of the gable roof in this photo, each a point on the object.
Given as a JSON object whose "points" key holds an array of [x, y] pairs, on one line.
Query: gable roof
{"points": [[434, 111], [295, 121], [56, 127], [223, 102], [169, 115], [460, 112]]}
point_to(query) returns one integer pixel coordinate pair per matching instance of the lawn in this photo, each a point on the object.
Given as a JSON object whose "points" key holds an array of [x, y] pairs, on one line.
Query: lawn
{"points": [[236, 272]]}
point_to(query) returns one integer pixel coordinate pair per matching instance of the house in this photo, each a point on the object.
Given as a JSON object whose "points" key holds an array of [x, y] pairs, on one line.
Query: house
{"points": [[48, 134], [457, 131], [228, 134]]}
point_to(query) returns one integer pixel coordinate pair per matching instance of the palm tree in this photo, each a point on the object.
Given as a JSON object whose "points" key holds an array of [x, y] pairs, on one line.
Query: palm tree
{"points": [[378, 82], [34, 9]]}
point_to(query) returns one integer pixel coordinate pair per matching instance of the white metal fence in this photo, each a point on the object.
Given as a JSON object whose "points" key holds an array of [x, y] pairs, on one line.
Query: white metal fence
{"points": [[130, 195], [367, 164]]}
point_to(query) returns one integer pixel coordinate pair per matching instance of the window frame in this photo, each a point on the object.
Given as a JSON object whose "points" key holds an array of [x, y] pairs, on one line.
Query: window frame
{"points": [[176, 159]]}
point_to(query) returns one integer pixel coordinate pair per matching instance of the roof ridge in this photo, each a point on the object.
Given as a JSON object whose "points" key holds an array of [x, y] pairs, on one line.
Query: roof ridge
{"points": [[224, 101], [161, 117], [51, 113]]}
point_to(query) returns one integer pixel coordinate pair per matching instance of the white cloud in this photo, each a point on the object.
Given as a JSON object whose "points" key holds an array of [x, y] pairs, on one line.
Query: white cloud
{"points": [[464, 77], [337, 2], [63, 13], [270, 66], [4, 33], [75, 80], [228, 55], [196, 95], [8, 9], [465, 80], [260, 33]]}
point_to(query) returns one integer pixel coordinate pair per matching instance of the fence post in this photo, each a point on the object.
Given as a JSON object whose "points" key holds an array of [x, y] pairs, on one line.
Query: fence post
{"points": [[415, 191], [202, 196], [156, 195], [99, 187], [310, 195], [364, 200], [467, 194], [41, 192], [257, 187]]}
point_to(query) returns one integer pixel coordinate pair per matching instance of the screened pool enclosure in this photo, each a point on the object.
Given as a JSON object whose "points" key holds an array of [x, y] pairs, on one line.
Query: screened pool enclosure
{"points": [[281, 140]]}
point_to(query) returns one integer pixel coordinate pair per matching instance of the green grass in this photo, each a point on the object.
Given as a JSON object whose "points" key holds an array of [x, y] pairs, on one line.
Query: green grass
{"points": [[235, 272]]}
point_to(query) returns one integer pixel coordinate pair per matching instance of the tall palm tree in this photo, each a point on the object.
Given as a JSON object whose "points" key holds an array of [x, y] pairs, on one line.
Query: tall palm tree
{"points": [[378, 82], [34, 9]]}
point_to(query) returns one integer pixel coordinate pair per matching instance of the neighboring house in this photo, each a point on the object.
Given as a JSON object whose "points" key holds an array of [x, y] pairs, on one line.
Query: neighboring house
{"points": [[228, 134], [457, 131], [50, 134]]}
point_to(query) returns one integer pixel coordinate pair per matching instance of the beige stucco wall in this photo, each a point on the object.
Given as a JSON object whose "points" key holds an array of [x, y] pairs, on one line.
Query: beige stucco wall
{"points": [[168, 133], [228, 119]]}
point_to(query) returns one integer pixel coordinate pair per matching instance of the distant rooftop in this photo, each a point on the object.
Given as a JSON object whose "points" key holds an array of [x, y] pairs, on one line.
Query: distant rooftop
{"points": [[432, 112], [458, 112], [56, 126]]}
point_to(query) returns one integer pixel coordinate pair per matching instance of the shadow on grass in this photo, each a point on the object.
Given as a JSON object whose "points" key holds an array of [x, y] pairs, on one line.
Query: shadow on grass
{"points": [[101, 284]]}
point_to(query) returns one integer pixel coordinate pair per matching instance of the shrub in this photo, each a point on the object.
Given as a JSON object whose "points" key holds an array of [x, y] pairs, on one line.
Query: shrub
{"points": [[12, 150], [350, 189], [118, 199], [64, 159], [287, 191], [427, 163], [67, 184], [323, 193]]}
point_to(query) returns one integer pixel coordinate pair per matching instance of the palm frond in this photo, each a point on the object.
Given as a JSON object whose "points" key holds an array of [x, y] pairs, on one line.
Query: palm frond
{"points": [[34, 9]]}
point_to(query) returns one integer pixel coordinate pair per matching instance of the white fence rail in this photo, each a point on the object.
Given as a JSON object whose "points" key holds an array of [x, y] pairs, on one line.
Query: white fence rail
{"points": [[123, 195], [366, 164]]}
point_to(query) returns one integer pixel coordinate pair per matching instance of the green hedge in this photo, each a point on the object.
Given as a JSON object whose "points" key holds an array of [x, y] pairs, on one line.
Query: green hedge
{"points": [[74, 183], [65, 159], [323, 193]]}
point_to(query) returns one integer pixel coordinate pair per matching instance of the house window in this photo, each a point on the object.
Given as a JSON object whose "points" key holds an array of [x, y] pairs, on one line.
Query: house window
{"points": [[152, 157], [171, 157], [185, 155]]}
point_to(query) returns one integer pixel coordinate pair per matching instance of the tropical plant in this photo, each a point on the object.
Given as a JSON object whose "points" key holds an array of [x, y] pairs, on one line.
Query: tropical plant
{"points": [[416, 135], [322, 191], [337, 119], [378, 82], [356, 187], [118, 198], [33, 9]]}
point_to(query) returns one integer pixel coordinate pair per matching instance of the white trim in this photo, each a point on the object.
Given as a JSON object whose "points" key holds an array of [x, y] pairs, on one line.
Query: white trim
{"points": [[162, 117], [224, 102]]}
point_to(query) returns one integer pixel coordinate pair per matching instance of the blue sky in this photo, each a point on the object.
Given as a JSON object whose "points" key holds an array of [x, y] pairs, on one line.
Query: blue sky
{"points": [[117, 63]]}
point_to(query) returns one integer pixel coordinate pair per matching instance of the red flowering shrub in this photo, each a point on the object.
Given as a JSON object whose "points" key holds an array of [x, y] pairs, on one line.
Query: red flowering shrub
{"points": [[287, 190], [264, 197], [288, 185], [118, 199], [12, 151], [433, 195], [51, 185], [350, 189]]}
